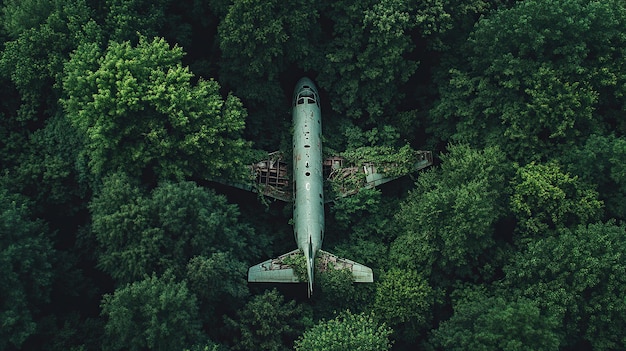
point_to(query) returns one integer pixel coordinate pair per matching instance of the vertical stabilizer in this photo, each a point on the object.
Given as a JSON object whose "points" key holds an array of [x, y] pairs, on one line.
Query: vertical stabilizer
{"points": [[310, 266]]}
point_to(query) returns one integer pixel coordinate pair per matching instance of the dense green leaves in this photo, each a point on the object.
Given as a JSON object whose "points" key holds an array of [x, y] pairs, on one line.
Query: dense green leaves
{"points": [[156, 313], [366, 54], [113, 235], [537, 77], [544, 198], [578, 275], [139, 233], [447, 222], [43, 33], [137, 106], [403, 296], [484, 322], [26, 259], [346, 332], [268, 322]]}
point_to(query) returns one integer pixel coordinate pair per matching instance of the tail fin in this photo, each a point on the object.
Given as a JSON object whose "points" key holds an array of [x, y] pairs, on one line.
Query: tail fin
{"points": [[310, 267]]}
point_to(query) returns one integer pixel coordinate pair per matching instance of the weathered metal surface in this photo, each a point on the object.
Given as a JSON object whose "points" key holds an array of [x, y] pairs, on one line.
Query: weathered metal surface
{"points": [[348, 180], [272, 177], [307, 191], [308, 181]]}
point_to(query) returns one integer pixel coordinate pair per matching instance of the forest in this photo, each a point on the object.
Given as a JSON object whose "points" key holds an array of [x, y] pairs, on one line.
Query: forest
{"points": [[118, 116]]}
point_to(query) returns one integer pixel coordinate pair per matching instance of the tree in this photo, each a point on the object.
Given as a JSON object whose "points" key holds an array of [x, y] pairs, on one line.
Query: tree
{"points": [[346, 332], [138, 234], [259, 41], [447, 222], [365, 54], [219, 283], [268, 322], [404, 297], [26, 260], [125, 19], [140, 112], [42, 34], [544, 199], [157, 313], [600, 161], [485, 322], [536, 78], [577, 276]]}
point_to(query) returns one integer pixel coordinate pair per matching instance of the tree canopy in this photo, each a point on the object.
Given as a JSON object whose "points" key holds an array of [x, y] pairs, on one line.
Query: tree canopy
{"points": [[121, 121]]}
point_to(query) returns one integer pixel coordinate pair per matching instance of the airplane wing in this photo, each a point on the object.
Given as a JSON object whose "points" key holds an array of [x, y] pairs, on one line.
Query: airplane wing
{"points": [[269, 177], [348, 177]]}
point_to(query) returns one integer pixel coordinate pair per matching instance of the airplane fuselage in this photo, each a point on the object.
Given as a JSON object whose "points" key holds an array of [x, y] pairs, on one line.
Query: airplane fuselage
{"points": [[308, 199], [308, 181]]}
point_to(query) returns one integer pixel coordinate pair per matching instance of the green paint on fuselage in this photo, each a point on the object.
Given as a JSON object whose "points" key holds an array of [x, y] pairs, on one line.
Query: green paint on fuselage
{"points": [[308, 202]]}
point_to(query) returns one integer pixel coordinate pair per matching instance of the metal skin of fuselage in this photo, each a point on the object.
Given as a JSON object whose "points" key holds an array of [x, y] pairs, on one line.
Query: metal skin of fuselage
{"points": [[308, 200], [308, 179]]}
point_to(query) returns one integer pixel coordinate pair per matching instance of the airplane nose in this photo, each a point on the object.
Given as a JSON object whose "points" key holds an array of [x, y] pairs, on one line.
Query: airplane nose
{"points": [[305, 82]]}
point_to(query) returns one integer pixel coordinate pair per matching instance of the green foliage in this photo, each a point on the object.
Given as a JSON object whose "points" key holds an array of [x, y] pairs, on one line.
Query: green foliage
{"points": [[364, 63], [26, 258], [43, 34], [46, 170], [391, 161], [577, 275], [349, 209], [157, 313], [127, 18], [346, 332], [335, 290], [140, 112], [138, 234], [217, 281], [355, 137], [404, 297], [544, 198], [600, 161], [259, 41], [261, 38], [537, 77], [268, 322], [447, 221], [484, 322], [298, 264], [493, 250]]}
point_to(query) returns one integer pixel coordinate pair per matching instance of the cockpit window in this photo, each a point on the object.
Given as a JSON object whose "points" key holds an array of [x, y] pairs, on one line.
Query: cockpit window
{"points": [[306, 95]]}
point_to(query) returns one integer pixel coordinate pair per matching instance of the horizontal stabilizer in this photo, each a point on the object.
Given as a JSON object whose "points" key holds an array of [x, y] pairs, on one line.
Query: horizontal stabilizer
{"points": [[360, 273], [274, 270]]}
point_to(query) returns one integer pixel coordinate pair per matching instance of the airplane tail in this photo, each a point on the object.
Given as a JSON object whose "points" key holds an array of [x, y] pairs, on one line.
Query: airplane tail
{"points": [[277, 271], [310, 266]]}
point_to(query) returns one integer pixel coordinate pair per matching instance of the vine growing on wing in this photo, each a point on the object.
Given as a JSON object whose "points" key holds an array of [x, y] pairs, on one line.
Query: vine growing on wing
{"points": [[298, 264], [388, 160]]}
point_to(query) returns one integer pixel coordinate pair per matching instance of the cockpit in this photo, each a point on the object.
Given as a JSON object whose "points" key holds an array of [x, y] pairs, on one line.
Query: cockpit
{"points": [[306, 96]]}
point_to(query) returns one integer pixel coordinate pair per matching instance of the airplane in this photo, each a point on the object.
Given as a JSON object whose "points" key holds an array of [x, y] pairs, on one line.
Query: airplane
{"points": [[309, 173]]}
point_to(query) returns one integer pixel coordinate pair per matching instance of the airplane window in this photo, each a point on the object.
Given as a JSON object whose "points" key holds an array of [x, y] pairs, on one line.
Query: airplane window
{"points": [[300, 101], [307, 146], [307, 174]]}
